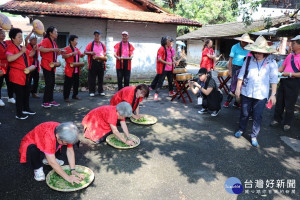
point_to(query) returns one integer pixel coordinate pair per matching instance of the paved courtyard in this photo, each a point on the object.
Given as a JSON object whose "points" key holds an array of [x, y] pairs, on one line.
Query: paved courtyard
{"points": [[185, 156]]}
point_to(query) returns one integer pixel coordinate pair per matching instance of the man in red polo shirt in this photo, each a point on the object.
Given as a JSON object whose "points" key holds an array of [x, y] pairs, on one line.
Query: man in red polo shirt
{"points": [[96, 68], [123, 53]]}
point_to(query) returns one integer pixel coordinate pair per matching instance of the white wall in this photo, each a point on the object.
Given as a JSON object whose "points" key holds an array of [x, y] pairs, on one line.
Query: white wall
{"points": [[263, 12], [145, 37], [82, 27], [194, 51]]}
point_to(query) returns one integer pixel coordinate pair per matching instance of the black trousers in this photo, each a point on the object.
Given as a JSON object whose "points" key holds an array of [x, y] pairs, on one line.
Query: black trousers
{"points": [[35, 76], [97, 70], [49, 77], [123, 73], [69, 82], [286, 98], [34, 156], [22, 97], [8, 84], [155, 81], [161, 79]]}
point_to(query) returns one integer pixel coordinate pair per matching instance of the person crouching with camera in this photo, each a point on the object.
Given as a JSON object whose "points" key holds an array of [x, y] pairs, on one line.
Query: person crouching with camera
{"points": [[210, 96]]}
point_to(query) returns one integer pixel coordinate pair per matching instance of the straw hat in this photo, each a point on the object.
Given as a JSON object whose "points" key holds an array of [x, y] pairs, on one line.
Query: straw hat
{"points": [[245, 38], [260, 45]]}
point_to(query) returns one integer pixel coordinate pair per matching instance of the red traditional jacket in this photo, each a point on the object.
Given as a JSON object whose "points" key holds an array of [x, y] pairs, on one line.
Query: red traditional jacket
{"points": [[3, 58], [119, 64], [49, 57], [161, 53], [16, 68], [34, 59], [126, 94], [68, 69], [207, 62], [96, 122], [43, 137]]}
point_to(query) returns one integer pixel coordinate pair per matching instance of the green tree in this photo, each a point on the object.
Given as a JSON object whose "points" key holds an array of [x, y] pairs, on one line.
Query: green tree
{"points": [[211, 11]]}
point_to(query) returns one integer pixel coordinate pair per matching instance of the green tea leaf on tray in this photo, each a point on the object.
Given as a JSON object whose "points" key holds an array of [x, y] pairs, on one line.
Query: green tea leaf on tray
{"points": [[58, 182], [142, 119], [118, 143]]}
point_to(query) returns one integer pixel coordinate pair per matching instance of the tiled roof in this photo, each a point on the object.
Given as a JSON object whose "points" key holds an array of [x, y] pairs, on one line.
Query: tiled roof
{"points": [[42, 8], [230, 29]]}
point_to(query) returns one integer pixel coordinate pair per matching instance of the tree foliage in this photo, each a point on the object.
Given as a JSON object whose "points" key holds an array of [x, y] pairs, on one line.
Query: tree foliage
{"points": [[211, 11]]}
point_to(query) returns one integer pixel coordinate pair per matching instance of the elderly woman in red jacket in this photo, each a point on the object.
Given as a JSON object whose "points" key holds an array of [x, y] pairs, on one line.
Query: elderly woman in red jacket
{"points": [[101, 121], [72, 73], [45, 140], [18, 60], [3, 69], [132, 95]]}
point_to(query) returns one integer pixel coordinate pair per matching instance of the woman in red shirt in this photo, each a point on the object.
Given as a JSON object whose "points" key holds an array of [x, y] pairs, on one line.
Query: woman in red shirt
{"points": [[132, 95], [72, 73], [101, 121], [49, 52], [208, 56], [45, 140], [3, 68], [18, 60]]}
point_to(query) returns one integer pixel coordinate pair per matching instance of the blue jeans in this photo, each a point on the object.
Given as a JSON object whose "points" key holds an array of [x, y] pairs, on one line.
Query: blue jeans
{"points": [[257, 107]]}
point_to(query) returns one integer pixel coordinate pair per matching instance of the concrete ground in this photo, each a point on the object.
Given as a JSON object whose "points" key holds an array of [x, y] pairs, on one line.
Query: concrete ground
{"points": [[185, 156]]}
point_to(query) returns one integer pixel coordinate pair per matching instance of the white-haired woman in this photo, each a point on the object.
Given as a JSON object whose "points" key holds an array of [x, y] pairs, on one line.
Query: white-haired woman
{"points": [[45, 140], [101, 121], [257, 74]]}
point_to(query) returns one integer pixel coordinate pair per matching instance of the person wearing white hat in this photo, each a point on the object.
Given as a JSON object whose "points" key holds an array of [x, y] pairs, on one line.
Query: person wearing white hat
{"points": [[34, 75], [287, 93], [254, 79], [123, 53], [236, 60]]}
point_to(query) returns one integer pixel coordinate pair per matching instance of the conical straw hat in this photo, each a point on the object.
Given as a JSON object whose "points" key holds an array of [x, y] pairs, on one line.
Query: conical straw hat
{"points": [[260, 45], [245, 38]]}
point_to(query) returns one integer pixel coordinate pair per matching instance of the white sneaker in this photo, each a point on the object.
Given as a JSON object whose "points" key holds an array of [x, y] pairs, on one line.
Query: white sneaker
{"points": [[102, 94], [202, 111], [39, 174], [92, 94], [2, 103], [11, 100], [60, 162], [215, 113]]}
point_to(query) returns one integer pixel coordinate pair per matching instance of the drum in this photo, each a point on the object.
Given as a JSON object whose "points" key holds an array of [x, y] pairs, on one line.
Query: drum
{"points": [[38, 27], [184, 77], [223, 73], [77, 64], [29, 69], [5, 23], [179, 70], [55, 64], [103, 58]]}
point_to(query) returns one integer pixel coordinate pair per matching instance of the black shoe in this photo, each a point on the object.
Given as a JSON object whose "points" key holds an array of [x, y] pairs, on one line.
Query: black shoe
{"points": [[22, 116], [100, 140], [29, 112]]}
